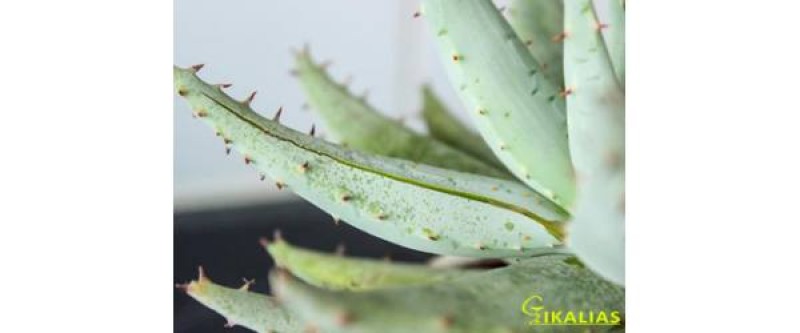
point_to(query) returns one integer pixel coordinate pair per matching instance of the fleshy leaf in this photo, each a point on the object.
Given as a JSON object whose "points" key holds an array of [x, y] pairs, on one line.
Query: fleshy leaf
{"points": [[516, 108], [414, 205], [596, 110], [255, 311], [353, 122], [444, 126], [341, 273], [616, 38], [538, 24], [597, 232], [491, 301]]}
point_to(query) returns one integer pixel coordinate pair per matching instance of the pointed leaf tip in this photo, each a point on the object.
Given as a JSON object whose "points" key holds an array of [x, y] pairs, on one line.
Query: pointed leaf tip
{"points": [[241, 307]]}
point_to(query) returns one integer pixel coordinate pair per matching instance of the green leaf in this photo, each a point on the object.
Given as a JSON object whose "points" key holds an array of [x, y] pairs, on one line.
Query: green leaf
{"points": [[414, 205], [596, 110], [538, 23], [491, 301], [597, 231], [255, 311], [616, 38], [444, 126], [341, 273], [353, 122], [515, 107]]}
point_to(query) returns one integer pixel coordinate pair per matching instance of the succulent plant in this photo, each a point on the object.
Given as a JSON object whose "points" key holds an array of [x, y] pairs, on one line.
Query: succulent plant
{"points": [[540, 186]]}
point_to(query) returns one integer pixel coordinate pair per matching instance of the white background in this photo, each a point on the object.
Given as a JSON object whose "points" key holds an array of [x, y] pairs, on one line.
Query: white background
{"points": [[85, 224]]}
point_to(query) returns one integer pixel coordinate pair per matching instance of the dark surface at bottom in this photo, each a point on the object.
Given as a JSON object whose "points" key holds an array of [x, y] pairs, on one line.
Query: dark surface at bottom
{"points": [[225, 243]]}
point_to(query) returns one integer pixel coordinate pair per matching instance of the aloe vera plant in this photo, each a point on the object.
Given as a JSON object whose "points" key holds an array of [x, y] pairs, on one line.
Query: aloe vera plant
{"points": [[543, 190]]}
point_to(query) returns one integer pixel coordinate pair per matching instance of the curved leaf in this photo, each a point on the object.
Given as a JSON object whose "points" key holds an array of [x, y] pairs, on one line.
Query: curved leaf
{"points": [[596, 110], [255, 311], [537, 23], [515, 107], [341, 273], [616, 38], [491, 301], [355, 123], [414, 205]]}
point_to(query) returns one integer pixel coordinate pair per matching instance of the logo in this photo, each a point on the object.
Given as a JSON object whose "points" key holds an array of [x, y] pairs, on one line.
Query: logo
{"points": [[534, 307]]}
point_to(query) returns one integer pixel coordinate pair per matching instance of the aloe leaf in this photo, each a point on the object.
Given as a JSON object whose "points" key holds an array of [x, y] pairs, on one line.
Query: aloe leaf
{"points": [[616, 38], [354, 123], [596, 110], [341, 273], [597, 232], [414, 205], [538, 23], [255, 311], [444, 126], [491, 301], [515, 107]]}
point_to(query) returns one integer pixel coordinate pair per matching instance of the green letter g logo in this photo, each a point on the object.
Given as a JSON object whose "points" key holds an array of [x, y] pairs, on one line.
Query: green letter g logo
{"points": [[532, 305]]}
